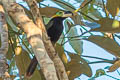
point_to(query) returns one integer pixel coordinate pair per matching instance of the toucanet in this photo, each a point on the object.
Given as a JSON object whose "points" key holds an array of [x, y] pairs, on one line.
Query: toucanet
{"points": [[54, 30]]}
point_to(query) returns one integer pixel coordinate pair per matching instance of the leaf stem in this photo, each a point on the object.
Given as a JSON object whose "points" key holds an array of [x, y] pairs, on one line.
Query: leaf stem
{"points": [[75, 9], [25, 45], [105, 61], [105, 8], [86, 4], [95, 57], [86, 30], [112, 77], [118, 72], [70, 38]]}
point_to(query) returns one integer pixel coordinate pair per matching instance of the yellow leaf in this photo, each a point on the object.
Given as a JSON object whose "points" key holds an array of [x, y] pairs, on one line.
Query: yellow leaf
{"points": [[18, 50], [7, 75], [115, 66], [117, 11], [68, 73], [115, 24], [1, 78]]}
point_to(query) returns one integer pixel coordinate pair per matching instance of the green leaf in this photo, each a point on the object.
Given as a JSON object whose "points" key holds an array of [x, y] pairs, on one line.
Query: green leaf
{"points": [[10, 53], [62, 39], [68, 24], [97, 3], [95, 13], [22, 62], [60, 51], [78, 66], [76, 44], [106, 43], [49, 11], [108, 25], [39, 0], [112, 6], [11, 23], [64, 5], [77, 19], [46, 20], [24, 40]]}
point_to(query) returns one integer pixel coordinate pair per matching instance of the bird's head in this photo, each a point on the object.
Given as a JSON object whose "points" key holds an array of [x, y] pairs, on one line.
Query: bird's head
{"points": [[63, 14]]}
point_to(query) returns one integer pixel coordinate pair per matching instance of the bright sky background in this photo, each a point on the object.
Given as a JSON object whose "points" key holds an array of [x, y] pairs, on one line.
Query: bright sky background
{"points": [[91, 49]]}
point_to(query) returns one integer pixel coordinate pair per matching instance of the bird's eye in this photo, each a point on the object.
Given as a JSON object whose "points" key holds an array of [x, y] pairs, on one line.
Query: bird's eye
{"points": [[67, 12]]}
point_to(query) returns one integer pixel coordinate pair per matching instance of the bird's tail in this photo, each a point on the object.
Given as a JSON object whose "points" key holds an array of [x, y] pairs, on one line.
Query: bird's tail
{"points": [[31, 67]]}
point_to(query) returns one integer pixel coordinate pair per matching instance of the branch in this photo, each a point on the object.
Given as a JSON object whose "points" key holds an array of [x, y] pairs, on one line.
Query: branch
{"points": [[74, 9], [34, 36], [48, 45], [106, 12], [73, 37], [4, 43], [85, 3]]}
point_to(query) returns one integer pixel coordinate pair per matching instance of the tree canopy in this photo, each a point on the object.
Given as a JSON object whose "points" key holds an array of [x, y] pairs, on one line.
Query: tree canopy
{"points": [[95, 21]]}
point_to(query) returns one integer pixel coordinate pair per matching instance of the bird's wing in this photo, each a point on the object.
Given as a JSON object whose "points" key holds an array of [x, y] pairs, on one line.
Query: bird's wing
{"points": [[50, 23]]}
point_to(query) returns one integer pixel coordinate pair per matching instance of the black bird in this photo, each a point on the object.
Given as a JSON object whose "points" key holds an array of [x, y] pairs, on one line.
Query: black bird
{"points": [[54, 30]]}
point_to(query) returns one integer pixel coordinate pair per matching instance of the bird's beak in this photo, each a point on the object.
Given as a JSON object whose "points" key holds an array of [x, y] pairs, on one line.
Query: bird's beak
{"points": [[54, 16], [67, 14], [70, 14], [75, 11]]}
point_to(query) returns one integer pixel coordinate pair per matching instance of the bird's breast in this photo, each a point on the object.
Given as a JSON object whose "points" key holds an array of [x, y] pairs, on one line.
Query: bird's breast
{"points": [[55, 31]]}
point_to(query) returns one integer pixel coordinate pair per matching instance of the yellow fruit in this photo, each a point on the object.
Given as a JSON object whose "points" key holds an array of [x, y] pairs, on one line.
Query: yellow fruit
{"points": [[18, 50], [115, 24]]}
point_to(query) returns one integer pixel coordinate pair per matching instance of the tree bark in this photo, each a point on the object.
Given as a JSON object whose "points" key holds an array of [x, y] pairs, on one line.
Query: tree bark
{"points": [[4, 44], [34, 35], [48, 45]]}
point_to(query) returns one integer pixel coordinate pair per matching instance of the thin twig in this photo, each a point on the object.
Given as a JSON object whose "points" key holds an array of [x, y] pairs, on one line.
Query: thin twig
{"points": [[112, 77], [105, 8], [106, 61], [118, 72], [75, 9], [25, 45], [91, 57], [75, 37], [87, 16], [86, 30], [95, 57], [70, 38], [86, 4]]}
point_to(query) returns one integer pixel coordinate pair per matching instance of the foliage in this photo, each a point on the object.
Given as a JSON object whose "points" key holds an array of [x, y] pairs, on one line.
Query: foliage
{"points": [[101, 12]]}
